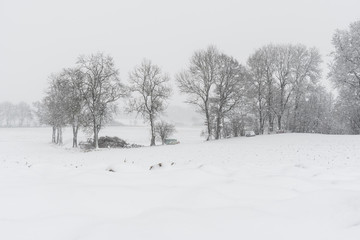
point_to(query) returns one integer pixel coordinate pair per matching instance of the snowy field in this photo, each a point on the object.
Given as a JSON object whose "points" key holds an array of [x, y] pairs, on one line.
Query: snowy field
{"points": [[286, 186]]}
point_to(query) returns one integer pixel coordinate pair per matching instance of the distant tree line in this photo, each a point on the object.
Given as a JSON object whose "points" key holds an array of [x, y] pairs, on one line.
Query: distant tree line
{"points": [[16, 115], [277, 90]]}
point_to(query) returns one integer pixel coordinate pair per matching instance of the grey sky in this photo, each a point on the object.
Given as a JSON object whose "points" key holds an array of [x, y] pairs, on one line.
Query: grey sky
{"points": [[41, 37]]}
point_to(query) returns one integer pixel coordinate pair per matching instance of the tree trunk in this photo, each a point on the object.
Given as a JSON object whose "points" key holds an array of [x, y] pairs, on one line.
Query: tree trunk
{"points": [[279, 121], [61, 136], [208, 123], [218, 126], [75, 133], [295, 125], [269, 105], [287, 126], [271, 123], [223, 133], [152, 142], [217, 133], [261, 123], [242, 129], [235, 131], [96, 139], [282, 107], [57, 135], [53, 138]]}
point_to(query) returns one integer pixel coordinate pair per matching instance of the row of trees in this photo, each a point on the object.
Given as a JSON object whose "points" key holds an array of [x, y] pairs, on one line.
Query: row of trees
{"points": [[85, 96], [82, 96], [282, 75], [279, 82], [16, 115], [277, 90]]}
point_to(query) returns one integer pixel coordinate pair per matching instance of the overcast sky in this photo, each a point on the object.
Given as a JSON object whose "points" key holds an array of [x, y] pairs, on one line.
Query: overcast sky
{"points": [[41, 37]]}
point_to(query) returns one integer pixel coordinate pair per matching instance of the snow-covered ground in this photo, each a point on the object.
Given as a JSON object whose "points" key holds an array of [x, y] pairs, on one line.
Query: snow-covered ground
{"points": [[286, 186]]}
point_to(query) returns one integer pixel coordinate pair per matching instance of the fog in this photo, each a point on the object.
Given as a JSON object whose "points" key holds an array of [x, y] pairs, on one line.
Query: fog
{"points": [[42, 37]]}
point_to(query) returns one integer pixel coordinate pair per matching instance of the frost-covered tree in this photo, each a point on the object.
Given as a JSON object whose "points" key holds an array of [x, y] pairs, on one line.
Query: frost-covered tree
{"points": [[280, 75], [63, 104], [230, 85], [257, 73], [74, 104], [268, 55], [236, 124], [51, 110], [150, 90], [263, 88], [345, 73], [314, 112], [164, 130], [198, 80], [284, 58], [345, 67], [84, 96], [306, 73], [348, 111], [100, 88]]}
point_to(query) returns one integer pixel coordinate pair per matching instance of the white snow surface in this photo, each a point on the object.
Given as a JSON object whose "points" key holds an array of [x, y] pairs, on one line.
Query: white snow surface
{"points": [[284, 186]]}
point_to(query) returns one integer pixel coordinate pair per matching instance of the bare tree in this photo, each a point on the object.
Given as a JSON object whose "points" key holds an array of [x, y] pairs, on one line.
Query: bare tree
{"points": [[151, 91], [257, 70], [268, 58], [164, 130], [282, 72], [295, 66], [315, 111], [237, 124], [280, 76], [348, 110], [74, 103], [198, 80], [230, 85], [100, 88], [63, 104], [306, 72], [345, 74], [345, 67], [50, 110]]}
